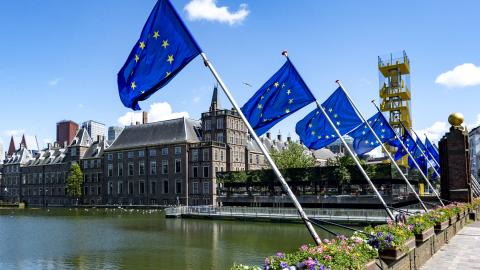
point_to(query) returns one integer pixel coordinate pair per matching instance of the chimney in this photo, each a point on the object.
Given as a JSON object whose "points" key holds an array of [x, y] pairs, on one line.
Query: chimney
{"points": [[49, 146], [137, 123], [144, 117], [269, 135], [65, 143], [279, 137]]}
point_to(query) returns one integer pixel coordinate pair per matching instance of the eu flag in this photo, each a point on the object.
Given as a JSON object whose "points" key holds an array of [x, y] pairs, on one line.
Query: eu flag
{"points": [[432, 150], [365, 141], [419, 158], [283, 94], [164, 48], [316, 132], [407, 141]]}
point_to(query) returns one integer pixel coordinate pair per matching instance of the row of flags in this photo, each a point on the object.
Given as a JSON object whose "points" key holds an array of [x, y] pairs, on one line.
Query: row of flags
{"points": [[166, 46]]}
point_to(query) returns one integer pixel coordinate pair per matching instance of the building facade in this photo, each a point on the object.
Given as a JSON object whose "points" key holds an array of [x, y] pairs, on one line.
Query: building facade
{"points": [[66, 131], [94, 129], [474, 141], [162, 163], [113, 133]]}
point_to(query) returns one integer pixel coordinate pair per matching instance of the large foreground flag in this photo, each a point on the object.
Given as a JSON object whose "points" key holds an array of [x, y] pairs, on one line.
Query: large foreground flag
{"points": [[365, 141], [163, 49], [283, 94], [315, 131]]}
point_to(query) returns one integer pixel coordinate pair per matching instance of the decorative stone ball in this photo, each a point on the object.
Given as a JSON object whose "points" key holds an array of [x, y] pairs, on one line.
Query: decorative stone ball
{"points": [[455, 119]]}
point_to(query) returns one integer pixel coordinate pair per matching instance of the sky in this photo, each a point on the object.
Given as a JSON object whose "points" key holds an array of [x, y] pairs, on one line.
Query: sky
{"points": [[59, 59]]}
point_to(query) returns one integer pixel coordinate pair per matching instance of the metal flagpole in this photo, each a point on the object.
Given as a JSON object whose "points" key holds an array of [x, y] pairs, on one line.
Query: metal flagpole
{"points": [[275, 169], [436, 162], [357, 162], [414, 161], [424, 155], [383, 147]]}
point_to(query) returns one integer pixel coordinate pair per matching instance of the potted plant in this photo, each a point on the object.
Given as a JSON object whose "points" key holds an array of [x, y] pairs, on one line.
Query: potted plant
{"points": [[440, 218], [393, 241], [421, 226]]}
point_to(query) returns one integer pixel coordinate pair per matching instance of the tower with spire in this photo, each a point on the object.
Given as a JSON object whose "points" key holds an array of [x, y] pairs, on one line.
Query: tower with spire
{"points": [[11, 147]]}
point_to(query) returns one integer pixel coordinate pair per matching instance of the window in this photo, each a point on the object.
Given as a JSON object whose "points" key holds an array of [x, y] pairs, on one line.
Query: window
{"points": [[220, 137], [141, 168], [250, 158], [178, 187], [164, 151], [86, 178], [221, 155], [74, 152], [110, 170], [208, 124], [195, 171], [165, 186], [120, 188], [164, 166], [178, 150], [99, 190], [110, 188], [257, 157], [119, 155], [130, 188], [220, 123], [153, 168], [92, 163], [141, 153], [195, 155], [205, 171], [205, 155], [110, 157], [152, 152], [215, 155], [130, 169], [141, 187], [130, 154], [206, 187], [178, 165], [120, 169], [208, 137], [85, 164], [153, 187], [195, 188]]}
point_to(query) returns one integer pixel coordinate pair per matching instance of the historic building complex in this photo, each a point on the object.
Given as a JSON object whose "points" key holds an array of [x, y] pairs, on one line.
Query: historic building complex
{"points": [[161, 163]]}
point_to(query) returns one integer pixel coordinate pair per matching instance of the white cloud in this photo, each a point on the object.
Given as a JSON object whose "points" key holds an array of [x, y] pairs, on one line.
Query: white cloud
{"points": [[158, 112], [208, 10], [54, 82], [196, 99], [434, 132], [461, 76]]}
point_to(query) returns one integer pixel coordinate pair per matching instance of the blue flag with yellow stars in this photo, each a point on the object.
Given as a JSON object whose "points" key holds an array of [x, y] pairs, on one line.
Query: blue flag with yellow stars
{"points": [[407, 141], [419, 158], [316, 132], [283, 94], [432, 150], [164, 48], [365, 141]]}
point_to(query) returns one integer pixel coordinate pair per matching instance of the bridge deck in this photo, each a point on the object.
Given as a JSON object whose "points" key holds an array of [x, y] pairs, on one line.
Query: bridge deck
{"points": [[461, 253]]}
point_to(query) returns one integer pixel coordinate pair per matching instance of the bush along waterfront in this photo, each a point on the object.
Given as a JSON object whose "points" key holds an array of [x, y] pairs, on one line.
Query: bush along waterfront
{"points": [[389, 241]]}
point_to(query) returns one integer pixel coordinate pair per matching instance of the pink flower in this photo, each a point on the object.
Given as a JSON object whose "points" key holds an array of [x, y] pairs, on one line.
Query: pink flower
{"points": [[326, 241], [327, 257], [304, 247]]}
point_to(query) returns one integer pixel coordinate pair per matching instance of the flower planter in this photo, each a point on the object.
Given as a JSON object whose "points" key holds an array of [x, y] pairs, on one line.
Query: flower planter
{"points": [[453, 220], [441, 226], [425, 235], [371, 265], [395, 253]]}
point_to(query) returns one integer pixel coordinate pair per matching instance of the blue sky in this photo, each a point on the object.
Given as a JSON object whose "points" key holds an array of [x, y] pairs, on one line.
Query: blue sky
{"points": [[59, 59]]}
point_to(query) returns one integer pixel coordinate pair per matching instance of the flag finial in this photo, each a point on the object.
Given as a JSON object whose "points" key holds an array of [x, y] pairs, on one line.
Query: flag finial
{"points": [[285, 53]]}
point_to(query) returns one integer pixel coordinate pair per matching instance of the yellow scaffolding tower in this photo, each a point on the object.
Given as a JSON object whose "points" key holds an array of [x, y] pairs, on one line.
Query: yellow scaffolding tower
{"points": [[394, 79]]}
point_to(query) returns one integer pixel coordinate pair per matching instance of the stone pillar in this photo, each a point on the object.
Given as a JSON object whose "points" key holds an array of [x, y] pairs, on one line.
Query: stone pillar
{"points": [[455, 162]]}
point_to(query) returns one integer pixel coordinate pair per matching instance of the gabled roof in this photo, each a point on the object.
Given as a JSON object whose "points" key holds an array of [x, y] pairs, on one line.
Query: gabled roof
{"points": [[157, 133], [22, 156], [96, 149], [11, 148], [82, 138]]}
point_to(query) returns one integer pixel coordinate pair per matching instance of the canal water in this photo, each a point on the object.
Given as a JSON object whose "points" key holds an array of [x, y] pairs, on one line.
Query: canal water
{"points": [[137, 239]]}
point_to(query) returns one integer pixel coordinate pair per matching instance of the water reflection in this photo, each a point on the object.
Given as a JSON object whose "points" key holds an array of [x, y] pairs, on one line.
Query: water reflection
{"points": [[100, 239]]}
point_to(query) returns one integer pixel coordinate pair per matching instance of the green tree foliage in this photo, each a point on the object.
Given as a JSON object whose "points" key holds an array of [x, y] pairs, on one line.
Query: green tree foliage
{"points": [[74, 181], [344, 167], [293, 156]]}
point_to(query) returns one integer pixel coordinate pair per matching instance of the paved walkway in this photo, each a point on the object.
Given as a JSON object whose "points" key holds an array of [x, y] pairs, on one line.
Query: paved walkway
{"points": [[463, 251]]}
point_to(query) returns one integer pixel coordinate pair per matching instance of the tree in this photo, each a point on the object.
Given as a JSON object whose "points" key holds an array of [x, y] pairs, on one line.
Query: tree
{"points": [[342, 172], [74, 181], [293, 156]]}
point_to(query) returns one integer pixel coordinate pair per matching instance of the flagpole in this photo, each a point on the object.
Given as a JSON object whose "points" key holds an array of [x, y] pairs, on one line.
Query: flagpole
{"points": [[423, 154], [414, 161], [275, 169], [383, 146]]}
